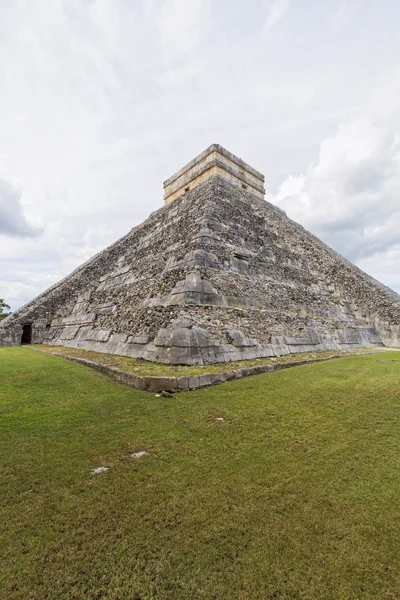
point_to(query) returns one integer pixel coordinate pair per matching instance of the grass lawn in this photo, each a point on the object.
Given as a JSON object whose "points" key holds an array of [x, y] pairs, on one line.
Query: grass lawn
{"points": [[295, 494]]}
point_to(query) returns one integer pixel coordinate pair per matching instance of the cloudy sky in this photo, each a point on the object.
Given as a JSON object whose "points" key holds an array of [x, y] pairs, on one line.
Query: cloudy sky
{"points": [[101, 100]]}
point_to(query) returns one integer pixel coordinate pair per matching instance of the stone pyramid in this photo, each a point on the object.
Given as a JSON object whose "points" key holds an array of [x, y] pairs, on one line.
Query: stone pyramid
{"points": [[217, 274]]}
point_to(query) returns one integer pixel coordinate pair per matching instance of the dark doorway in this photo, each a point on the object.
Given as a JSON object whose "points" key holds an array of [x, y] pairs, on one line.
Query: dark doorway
{"points": [[26, 334]]}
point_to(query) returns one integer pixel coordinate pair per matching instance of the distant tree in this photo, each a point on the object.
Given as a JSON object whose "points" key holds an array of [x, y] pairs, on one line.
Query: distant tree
{"points": [[4, 309]]}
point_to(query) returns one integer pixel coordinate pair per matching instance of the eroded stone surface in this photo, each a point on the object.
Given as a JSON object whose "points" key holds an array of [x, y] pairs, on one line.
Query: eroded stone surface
{"points": [[218, 275]]}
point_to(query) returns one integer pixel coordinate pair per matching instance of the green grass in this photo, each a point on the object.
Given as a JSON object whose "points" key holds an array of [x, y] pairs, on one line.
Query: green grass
{"points": [[295, 495]]}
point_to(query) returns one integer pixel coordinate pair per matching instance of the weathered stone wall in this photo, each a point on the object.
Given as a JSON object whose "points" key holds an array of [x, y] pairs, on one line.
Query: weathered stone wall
{"points": [[10, 336], [217, 275]]}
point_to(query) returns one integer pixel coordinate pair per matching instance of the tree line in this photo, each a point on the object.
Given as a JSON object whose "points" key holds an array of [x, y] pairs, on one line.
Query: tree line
{"points": [[4, 309]]}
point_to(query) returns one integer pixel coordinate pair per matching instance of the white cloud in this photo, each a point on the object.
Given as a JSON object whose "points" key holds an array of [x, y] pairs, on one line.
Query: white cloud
{"points": [[12, 218], [181, 23], [351, 195], [276, 12], [344, 14]]}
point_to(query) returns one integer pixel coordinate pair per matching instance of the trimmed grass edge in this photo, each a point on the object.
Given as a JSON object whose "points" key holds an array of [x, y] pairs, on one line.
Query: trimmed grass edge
{"points": [[185, 383]]}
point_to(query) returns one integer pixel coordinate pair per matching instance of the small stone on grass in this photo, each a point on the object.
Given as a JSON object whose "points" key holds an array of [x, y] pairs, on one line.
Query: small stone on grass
{"points": [[220, 419], [99, 470], [139, 454]]}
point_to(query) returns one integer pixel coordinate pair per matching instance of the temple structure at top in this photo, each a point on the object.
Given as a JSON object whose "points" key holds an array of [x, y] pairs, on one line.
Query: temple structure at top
{"points": [[215, 160]]}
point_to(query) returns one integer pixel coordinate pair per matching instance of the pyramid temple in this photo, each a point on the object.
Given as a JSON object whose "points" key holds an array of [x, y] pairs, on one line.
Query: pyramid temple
{"points": [[217, 274]]}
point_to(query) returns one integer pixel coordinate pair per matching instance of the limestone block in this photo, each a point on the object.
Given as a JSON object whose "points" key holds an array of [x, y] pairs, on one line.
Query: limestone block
{"points": [[118, 338], [348, 337], [69, 332], [163, 337], [163, 355], [202, 338], [98, 335], [195, 259], [138, 339], [182, 337], [77, 319], [205, 379], [219, 378], [10, 336], [149, 352], [194, 382], [52, 333], [203, 258], [183, 384], [38, 333], [239, 338], [300, 341], [205, 232], [195, 284]]}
